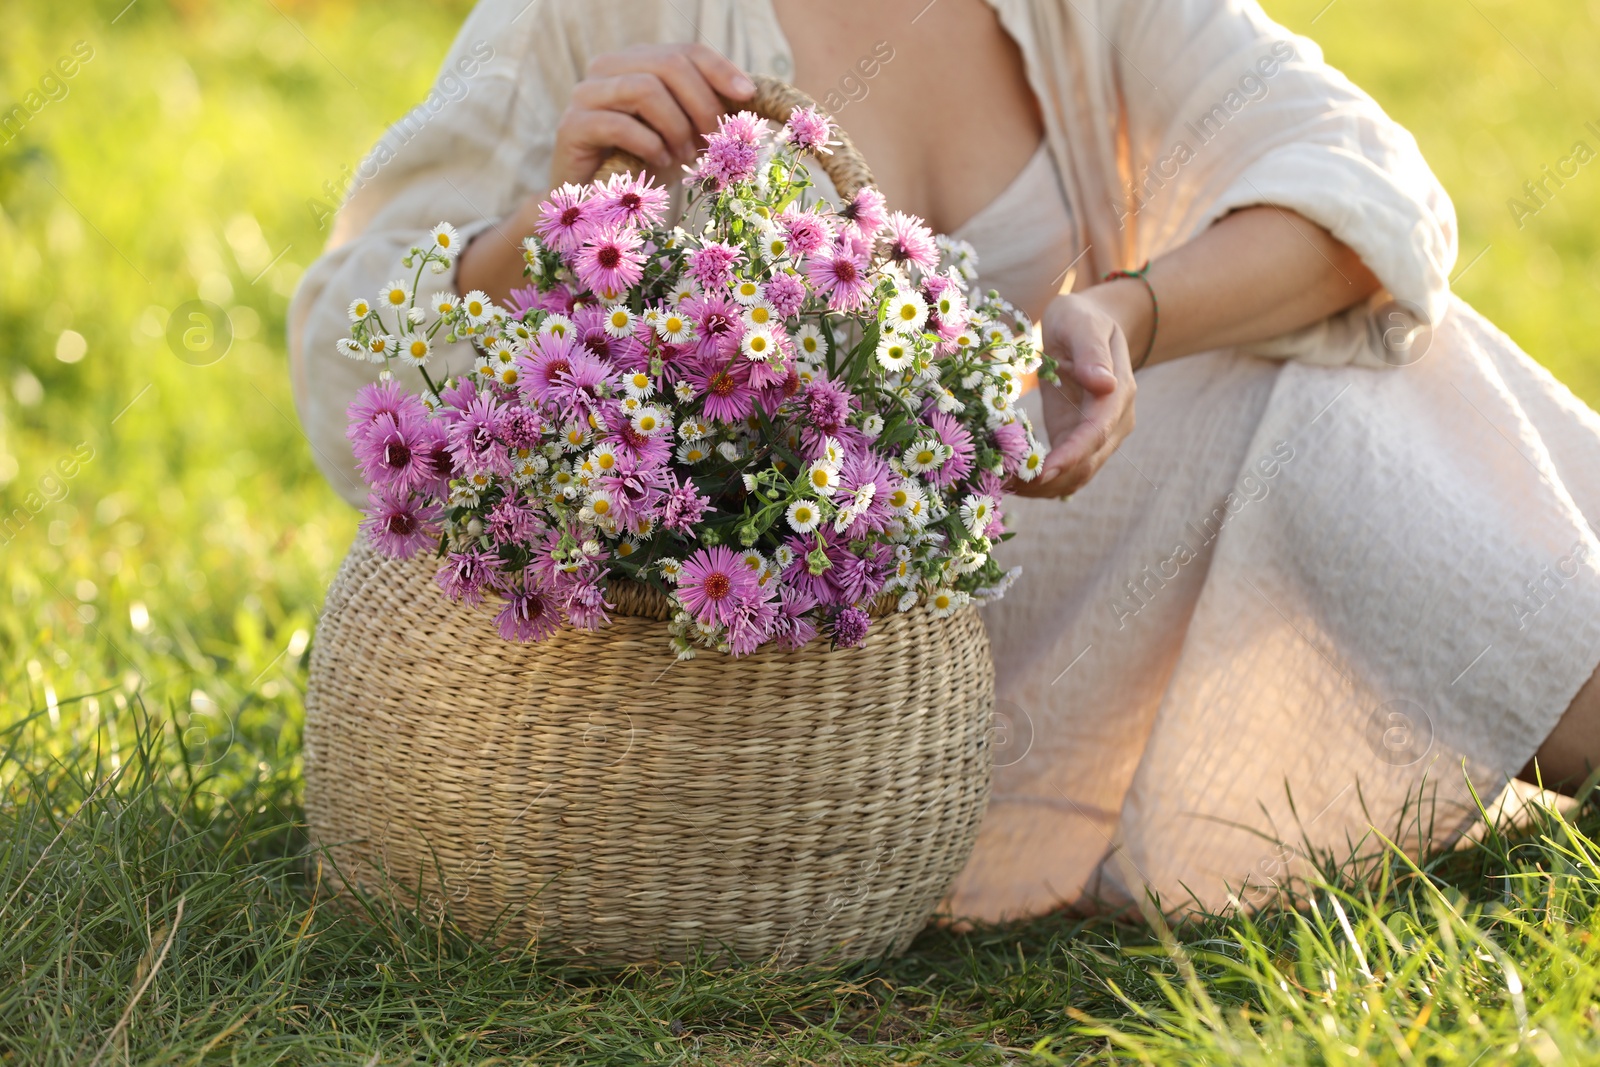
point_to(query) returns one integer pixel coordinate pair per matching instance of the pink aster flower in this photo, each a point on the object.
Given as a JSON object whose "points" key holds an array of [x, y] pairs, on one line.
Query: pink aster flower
{"points": [[684, 506], [475, 438], [958, 439], [809, 129], [557, 299], [806, 231], [566, 218], [556, 370], [911, 242], [717, 325], [512, 522], [627, 200], [750, 624], [744, 126], [466, 576], [529, 614], [728, 158], [713, 583], [1012, 440], [866, 211], [793, 625], [399, 524], [394, 453], [712, 264], [850, 627], [374, 402], [840, 274], [609, 261], [728, 396], [786, 293]]}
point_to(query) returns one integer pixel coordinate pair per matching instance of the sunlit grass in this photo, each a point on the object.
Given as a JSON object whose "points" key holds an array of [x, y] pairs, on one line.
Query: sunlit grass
{"points": [[163, 582]]}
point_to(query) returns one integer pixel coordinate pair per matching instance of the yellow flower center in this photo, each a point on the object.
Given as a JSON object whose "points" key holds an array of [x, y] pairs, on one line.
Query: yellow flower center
{"points": [[760, 315], [475, 308], [674, 324], [925, 456], [419, 348], [397, 296], [619, 319], [443, 239], [601, 506], [819, 478], [802, 514]]}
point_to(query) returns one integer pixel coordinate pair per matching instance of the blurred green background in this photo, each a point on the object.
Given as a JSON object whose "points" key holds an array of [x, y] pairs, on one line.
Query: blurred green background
{"points": [[188, 552]]}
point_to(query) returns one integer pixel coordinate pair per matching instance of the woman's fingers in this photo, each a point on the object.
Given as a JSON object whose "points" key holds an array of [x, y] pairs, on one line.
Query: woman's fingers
{"points": [[642, 94], [601, 131], [1093, 367], [723, 74]]}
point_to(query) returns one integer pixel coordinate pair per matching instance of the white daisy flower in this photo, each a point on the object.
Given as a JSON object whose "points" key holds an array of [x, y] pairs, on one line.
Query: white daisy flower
{"points": [[414, 350], [905, 312], [684, 391], [693, 452], [822, 478], [639, 384], [1032, 465], [446, 238], [746, 291], [599, 502], [753, 559], [808, 342], [379, 347], [776, 247], [631, 404], [832, 452], [729, 451], [674, 327], [902, 496], [948, 402], [758, 344], [759, 314], [444, 303], [782, 556], [577, 436], [619, 321], [946, 602], [604, 457], [359, 309], [923, 456], [555, 326], [477, 306], [686, 290], [965, 341], [394, 295], [650, 420], [803, 516], [894, 354], [976, 512], [351, 348], [670, 570], [693, 429], [997, 402], [872, 426], [907, 601]]}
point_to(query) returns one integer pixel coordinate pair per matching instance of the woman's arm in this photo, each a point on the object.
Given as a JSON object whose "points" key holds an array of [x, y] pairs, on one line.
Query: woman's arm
{"points": [[1258, 273]]}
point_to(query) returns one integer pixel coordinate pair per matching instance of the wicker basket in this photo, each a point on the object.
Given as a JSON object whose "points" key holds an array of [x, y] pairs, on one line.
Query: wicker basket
{"points": [[594, 793]]}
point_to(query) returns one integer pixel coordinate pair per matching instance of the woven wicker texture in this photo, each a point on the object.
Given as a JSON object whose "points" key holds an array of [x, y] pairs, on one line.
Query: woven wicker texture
{"points": [[594, 793], [773, 100]]}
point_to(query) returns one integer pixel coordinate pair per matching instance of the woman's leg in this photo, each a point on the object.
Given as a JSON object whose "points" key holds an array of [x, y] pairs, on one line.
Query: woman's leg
{"points": [[1573, 748]]}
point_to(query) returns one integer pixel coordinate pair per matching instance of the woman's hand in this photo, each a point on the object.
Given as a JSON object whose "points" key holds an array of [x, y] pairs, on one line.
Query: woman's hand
{"points": [[652, 100], [1091, 411]]}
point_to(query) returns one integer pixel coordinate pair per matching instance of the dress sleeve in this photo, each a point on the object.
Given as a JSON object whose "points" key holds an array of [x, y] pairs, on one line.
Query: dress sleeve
{"points": [[1225, 109], [479, 143]]}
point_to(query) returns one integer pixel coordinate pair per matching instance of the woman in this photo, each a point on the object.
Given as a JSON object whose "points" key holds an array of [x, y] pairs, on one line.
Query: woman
{"points": [[1345, 563]]}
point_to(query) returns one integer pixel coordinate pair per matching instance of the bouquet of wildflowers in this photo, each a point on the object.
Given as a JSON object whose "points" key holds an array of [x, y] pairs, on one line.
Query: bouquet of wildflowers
{"points": [[775, 417]]}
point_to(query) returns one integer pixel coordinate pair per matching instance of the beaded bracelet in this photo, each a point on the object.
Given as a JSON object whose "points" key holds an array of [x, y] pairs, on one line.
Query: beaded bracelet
{"points": [[1155, 305]]}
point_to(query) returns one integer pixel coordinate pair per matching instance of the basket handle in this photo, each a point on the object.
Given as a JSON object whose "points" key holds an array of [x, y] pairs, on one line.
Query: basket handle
{"points": [[773, 100]]}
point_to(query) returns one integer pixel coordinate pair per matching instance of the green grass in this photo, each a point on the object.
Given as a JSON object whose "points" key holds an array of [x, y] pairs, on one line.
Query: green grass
{"points": [[153, 644]]}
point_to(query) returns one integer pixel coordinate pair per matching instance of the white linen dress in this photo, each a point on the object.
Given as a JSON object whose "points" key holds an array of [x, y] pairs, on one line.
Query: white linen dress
{"points": [[1326, 578]]}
